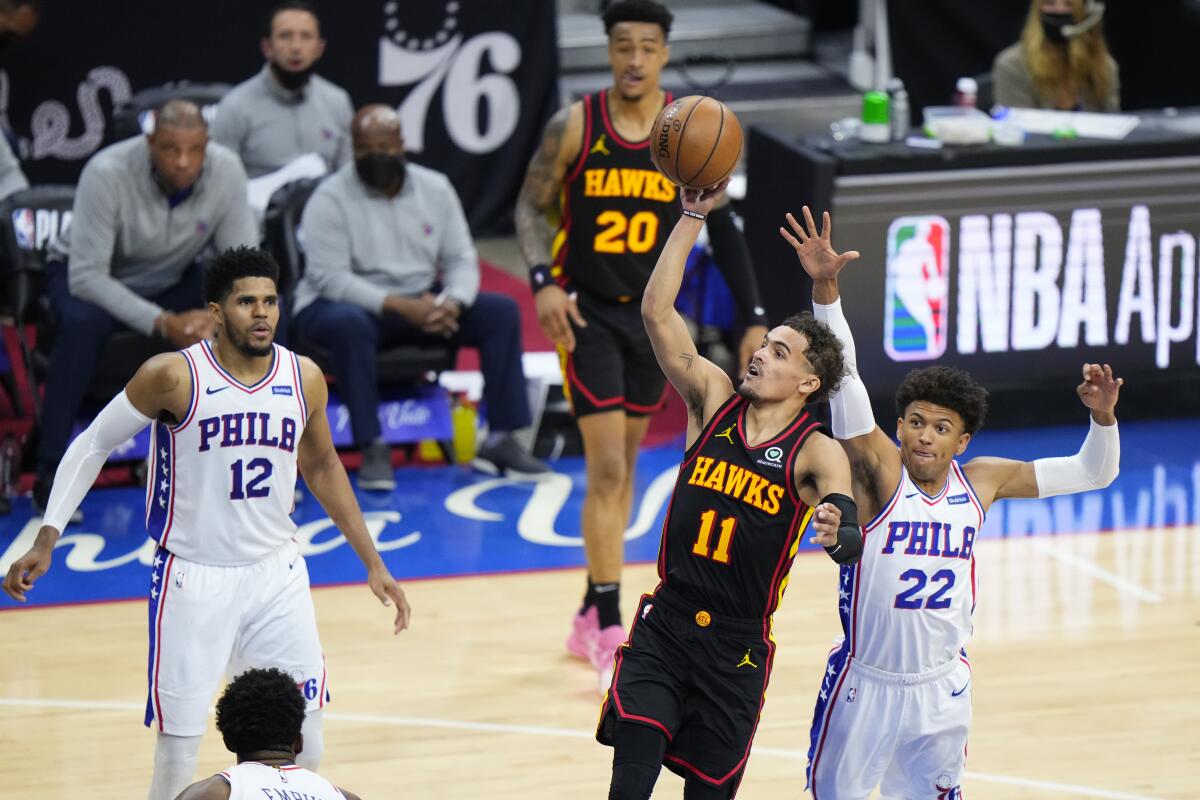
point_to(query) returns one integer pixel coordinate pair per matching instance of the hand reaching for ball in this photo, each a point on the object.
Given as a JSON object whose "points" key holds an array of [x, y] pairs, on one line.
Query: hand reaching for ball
{"points": [[701, 201]]}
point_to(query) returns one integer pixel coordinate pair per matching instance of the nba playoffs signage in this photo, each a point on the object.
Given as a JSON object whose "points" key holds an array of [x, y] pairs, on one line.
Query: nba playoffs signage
{"points": [[474, 81], [1028, 282]]}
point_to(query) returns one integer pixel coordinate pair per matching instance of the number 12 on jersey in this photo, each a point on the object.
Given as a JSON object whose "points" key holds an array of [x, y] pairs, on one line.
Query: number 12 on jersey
{"points": [[254, 488], [701, 547]]}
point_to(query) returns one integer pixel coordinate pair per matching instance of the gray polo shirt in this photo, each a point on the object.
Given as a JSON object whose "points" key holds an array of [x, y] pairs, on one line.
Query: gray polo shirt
{"points": [[269, 126], [126, 243], [12, 179], [361, 245]]}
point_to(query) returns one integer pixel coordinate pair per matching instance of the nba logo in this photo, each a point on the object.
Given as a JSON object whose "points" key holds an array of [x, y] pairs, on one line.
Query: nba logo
{"points": [[24, 228], [918, 288]]}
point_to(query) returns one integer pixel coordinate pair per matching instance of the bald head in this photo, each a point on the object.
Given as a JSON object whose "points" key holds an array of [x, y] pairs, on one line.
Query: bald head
{"points": [[179, 114], [375, 129]]}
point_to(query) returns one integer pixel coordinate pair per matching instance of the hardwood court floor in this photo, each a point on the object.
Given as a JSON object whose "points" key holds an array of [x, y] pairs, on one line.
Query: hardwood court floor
{"points": [[1085, 658]]}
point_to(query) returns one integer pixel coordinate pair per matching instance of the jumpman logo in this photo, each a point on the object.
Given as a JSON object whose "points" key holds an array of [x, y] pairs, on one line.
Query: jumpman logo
{"points": [[746, 662], [600, 147], [728, 433]]}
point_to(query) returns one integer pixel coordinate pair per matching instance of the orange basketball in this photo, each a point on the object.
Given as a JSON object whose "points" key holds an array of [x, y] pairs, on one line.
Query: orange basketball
{"points": [[695, 142]]}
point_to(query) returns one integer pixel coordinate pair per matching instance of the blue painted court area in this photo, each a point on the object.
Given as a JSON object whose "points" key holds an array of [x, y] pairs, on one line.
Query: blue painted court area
{"points": [[446, 521]]}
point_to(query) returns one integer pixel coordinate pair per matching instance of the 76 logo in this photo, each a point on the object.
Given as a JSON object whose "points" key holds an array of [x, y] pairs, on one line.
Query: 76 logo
{"points": [[480, 111]]}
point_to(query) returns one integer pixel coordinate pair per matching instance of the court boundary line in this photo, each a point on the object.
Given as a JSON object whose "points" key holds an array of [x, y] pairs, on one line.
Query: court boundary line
{"points": [[1098, 572], [8, 604], [562, 733]]}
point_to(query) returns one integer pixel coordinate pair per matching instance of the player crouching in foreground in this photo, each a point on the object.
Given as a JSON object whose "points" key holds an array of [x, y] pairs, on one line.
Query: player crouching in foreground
{"points": [[689, 684], [259, 717]]}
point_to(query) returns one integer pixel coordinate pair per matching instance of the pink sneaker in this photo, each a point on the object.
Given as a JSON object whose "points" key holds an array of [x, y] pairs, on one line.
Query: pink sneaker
{"points": [[584, 630], [604, 652]]}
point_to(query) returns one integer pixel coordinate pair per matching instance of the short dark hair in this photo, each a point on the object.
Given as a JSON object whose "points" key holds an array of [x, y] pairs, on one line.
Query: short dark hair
{"points": [[950, 387], [260, 709], [824, 353], [289, 5], [638, 11], [233, 265]]}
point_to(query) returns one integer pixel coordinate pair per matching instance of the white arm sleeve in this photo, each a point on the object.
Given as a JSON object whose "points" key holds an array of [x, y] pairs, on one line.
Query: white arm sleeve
{"points": [[86, 456], [850, 406], [1093, 467]]}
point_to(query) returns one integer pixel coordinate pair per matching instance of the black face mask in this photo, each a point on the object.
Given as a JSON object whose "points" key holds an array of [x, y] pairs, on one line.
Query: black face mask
{"points": [[381, 172], [292, 80], [1053, 24]]}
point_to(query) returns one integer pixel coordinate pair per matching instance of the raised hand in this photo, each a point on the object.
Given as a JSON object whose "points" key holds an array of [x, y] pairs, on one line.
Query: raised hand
{"points": [[1099, 390], [702, 201], [815, 251]]}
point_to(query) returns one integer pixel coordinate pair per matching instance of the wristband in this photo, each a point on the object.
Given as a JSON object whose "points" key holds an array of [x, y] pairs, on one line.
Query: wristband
{"points": [[693, 214], [540, 277]]}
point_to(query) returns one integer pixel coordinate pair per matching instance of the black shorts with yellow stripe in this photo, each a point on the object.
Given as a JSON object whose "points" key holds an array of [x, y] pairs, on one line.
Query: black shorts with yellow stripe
{"points": [[613, 367], [698, 679]]}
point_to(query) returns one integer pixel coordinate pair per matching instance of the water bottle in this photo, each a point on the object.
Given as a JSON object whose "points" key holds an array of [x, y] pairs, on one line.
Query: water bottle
{"points": [[463, 422], [966, 91], [898, 100], [10, 465]]}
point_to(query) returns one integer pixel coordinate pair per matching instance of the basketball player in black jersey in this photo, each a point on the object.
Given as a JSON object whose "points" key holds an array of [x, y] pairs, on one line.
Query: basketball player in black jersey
{"points": [[593, 171], [688, 685]]}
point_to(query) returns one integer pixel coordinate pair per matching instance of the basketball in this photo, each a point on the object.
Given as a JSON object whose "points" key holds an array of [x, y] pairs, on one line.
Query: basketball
{"points": [[696, 142]]}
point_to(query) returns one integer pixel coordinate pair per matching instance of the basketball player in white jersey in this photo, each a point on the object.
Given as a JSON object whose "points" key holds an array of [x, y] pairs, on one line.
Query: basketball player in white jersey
{"points": [[259, 716], [894, 707], [228, 590]]}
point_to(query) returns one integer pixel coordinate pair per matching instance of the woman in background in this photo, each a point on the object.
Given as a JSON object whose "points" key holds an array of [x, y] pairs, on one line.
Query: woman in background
{"points": [[1061, 62]]}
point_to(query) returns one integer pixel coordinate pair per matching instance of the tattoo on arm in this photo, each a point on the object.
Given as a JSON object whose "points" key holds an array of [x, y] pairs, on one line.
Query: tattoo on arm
{"points": [[539, 192], [688, 358]]}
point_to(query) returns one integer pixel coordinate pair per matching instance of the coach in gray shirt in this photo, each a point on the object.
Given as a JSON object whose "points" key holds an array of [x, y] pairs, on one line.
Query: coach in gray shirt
{"points": [[145, 210], [390, 260], [286, 111]]}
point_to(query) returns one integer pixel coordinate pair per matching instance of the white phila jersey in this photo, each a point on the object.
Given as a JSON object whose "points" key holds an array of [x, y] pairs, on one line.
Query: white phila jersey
{"points": [[222, 482], [250, 779], [906, 606]]}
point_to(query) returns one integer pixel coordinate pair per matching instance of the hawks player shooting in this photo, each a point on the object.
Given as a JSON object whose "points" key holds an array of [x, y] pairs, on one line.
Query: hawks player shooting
{"points": [[689, 684], [614, 210]]}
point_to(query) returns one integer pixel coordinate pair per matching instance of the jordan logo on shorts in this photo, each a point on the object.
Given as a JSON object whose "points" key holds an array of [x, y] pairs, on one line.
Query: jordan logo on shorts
{"points": [[746, 662], [727, 433]]}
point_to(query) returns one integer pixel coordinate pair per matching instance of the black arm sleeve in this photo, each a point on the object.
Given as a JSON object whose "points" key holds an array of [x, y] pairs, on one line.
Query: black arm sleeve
{"points": [[733, 258], [848, 549]]}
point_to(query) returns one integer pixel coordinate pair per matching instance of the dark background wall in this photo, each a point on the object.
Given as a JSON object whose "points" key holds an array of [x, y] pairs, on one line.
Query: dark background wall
{"points": [[59, 85]]}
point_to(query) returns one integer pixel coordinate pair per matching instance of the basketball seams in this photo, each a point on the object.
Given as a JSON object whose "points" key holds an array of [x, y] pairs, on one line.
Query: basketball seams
{"points": [[679, 138], [715, 144]]}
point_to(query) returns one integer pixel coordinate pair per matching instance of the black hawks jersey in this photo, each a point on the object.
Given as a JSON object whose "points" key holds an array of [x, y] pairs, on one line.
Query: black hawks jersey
{"points": [[735, 519], [617, 211]]}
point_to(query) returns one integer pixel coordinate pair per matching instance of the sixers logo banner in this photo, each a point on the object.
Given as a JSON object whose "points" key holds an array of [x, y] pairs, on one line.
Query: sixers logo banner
{"points": [[918, 288], [474, 81]]}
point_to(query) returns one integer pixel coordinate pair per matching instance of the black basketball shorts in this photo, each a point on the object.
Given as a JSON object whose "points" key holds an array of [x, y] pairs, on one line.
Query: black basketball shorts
{"points": [[613, 367], [699, 679]]}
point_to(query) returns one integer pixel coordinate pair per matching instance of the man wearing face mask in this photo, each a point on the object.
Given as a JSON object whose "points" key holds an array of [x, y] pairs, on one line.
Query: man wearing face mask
{"points": [[390, 260], [286, 110], [17, 20], [1061, 62]]}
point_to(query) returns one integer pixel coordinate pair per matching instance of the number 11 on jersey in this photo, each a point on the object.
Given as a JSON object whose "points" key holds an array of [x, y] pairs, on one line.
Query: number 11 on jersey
{"points": [[701, 547]]}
